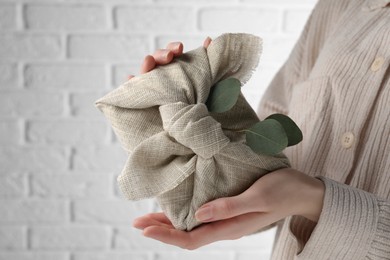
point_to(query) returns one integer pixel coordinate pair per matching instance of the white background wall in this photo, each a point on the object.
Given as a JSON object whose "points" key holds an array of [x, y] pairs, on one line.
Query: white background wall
{"points": [[58, 156]]}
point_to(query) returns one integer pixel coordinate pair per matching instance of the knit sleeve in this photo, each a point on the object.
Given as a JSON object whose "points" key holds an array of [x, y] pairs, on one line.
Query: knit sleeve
{"points": [[353, 224], [277, 95]]}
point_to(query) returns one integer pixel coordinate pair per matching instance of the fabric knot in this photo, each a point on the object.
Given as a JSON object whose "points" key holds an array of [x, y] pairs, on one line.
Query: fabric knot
{"points": [[193, 127]]}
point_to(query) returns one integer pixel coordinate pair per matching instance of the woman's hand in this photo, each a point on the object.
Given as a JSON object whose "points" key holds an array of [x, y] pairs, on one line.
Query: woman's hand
{"points": [[165, 56], [279, 194]]}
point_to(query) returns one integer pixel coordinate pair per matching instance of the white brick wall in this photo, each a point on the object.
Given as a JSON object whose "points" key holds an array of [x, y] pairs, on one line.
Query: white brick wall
{"points": [[58, 156]]}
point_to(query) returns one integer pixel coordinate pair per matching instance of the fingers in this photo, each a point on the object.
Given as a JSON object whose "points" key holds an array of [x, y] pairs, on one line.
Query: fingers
{"points": [[169, 236], [153, 219], [225, 208], [207, 42], [148, 64], [232, 228], [160, 217], [228, 229], [160, 57], [176, 48], [163, 56]]}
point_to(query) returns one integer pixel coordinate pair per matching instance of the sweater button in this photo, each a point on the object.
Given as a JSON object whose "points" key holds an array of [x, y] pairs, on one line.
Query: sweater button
{"points": [[347, 140], [377, 64]]}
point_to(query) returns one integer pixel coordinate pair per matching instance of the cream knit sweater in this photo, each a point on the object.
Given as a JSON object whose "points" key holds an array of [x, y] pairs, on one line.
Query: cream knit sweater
{"points": [[336, 86]]}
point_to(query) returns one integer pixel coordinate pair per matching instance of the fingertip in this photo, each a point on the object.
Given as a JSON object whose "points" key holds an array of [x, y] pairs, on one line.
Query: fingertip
{"points": [[176, 48], [150, 231], [163, 56], [129, 77], [148, 64], [207, 42], [169, 56], [204, 213], [137, 223], [180, 49]]}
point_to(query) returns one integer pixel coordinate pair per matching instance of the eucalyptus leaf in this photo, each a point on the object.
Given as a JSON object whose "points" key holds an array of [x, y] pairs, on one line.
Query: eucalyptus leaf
{"points": [[294, 134], [223, 95], [267, 137]]}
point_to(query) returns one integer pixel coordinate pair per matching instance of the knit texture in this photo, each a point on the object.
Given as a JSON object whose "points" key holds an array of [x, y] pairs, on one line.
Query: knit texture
{"points": [[336, 82], [178, 151]]}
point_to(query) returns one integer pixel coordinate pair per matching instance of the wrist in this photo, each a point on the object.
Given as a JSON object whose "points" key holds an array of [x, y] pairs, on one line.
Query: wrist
{"points": [[313, 199]]}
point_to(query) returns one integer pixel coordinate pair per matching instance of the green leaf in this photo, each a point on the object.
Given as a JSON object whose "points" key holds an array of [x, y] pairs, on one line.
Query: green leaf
{"points": [[267, 137], [294, 134], [223, 95]]}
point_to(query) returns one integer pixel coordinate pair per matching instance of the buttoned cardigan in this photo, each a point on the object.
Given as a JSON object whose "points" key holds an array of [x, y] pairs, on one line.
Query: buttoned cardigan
{"points": [[335, 86]]}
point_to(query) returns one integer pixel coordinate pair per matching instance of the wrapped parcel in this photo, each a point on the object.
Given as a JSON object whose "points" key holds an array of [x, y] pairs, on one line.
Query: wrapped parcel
{"points": [[179, 152]]}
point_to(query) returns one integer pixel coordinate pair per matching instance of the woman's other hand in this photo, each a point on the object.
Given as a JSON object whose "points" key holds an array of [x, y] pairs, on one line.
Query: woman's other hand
{"points": [[273, 197], [165, 56]]}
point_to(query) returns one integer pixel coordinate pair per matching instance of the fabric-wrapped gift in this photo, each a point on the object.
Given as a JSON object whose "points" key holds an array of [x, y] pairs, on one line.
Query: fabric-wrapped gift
{"points": [[178, 151]]}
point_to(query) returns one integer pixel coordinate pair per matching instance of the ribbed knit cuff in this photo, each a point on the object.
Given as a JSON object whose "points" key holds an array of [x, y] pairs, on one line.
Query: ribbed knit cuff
{"points": [[347, 226], [380, 247]]}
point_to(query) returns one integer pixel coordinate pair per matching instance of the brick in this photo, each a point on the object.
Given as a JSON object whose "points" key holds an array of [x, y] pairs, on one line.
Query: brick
{"points": [[276, 50], [33, 211], [66, 132], [253, 99], [121, 72], [195, 1], [8, 75], [101, 158], [189, 42], [7, 17], [31, 103], [65, 17], [75, 185], [160, 19], [108, 47], [13, 185], [109, 211], [10, 131], [112, 256], [117, 192], [194, 255], [119, 1], [253, 255], [70, 237], [282, 2], [238, 19], [33, 256], [26, 46], [65, 76], [12, 238], [295, 20], [20, 158], [256, 86], [83, 105]]}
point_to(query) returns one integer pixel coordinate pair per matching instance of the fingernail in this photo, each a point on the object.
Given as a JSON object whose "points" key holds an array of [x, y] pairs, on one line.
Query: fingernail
{"points": [[204, 213]]}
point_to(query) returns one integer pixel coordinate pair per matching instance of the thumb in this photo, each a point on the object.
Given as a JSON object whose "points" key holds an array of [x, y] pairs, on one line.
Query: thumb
{"points": [[223, 208]]}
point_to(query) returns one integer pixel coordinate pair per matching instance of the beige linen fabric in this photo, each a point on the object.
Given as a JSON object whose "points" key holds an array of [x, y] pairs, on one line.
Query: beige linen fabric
{"points": [[336, 87], [178, 151]]}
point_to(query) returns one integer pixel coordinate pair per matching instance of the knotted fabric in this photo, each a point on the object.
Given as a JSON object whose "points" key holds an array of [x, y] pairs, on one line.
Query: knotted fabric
{"points": [[178, 151]]}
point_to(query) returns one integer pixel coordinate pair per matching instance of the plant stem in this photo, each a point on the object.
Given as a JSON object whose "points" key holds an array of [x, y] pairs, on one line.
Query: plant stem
{"points": [[239, 131]]}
